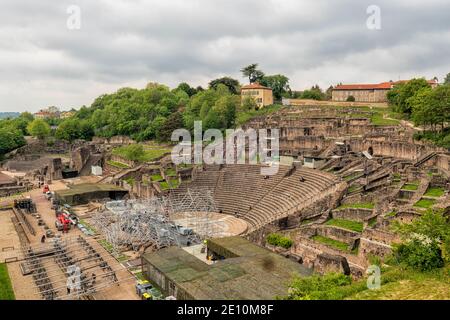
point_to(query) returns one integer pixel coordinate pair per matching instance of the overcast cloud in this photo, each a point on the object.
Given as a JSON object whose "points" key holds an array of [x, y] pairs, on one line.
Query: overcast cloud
{"points": [[129, 43]]}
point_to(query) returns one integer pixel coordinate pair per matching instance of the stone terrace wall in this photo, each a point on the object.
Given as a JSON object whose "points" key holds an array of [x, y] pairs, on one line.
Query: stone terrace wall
{"points": [[355, 214], [402, 150], [443, 162], [380, 236], [117, 140]]}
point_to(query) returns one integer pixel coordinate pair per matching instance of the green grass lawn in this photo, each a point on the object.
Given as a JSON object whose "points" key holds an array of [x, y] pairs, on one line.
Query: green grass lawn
{"points": [[119, 165], [109, 247], [6, 290], [391, 214], [405, 284], [353, 188], [105, 244], [352, 175], [171, 172], [425, 203], [306, 221], [372, 222], [378, 114], [410, 187], [185, 166], [396, 284], [435, 192], [331, 242], [130, 181], [88, 226], [151, 152], [346, 224], [164, 185], [157, 177], [171, 184], [378, 120], [139, 275], [174, 183], [361, 205], [243, 117]]}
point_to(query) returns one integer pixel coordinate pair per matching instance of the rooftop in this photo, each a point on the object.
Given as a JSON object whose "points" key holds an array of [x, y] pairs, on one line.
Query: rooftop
{"points": [[79, 191], [249, 272], [254, 85], [5, 179], [379, 86]]}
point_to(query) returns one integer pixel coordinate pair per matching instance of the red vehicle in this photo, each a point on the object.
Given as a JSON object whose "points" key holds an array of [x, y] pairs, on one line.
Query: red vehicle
{"points": [[62, 223], [45, 189]]}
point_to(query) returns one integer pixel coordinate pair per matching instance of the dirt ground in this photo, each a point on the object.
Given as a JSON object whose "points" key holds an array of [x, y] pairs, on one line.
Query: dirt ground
{"points": [[24, 287]]}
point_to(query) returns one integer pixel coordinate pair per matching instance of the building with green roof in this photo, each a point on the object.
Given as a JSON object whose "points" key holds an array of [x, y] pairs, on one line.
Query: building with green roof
{"points": [[83, 193], [246, 271]]}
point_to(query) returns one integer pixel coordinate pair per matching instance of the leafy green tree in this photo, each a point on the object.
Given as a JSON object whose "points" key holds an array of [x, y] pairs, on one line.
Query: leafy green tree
{"points": [[447, 79], [214, 120], [215, 107], [314, 93], [232, 84], [187, 88], [426, 241], [174, 122], [27, 116], [432, 224], [399, 96], [136, 113], [440, 102], [72, 129], [421, 107], [39, 128], [10, 139], [252, 73], [422, 254], [278, 83], [351, 99], [157, 125], [329, 93], [21, 122], [248, 103], [431, 107]]}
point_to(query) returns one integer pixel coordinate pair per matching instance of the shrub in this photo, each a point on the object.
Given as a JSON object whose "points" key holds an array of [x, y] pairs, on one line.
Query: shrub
{"points": [[273, 239], [39, 128], [351, 99], [318, 287], [421, 253], [285, 243], [426, 241], [279, 241]]}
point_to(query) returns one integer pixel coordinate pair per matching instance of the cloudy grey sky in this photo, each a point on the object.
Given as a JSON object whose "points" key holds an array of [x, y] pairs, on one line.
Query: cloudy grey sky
{"points": [[131, 42]]}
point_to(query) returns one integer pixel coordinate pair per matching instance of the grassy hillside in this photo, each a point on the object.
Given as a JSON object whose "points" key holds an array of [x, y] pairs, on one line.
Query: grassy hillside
{"points": [[410, 286], [396, 283], [6, 290]]}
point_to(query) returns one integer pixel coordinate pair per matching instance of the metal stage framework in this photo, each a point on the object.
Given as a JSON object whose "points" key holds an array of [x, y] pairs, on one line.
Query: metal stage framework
{"points": [[71, 268], [122, 225], [136, 224]]}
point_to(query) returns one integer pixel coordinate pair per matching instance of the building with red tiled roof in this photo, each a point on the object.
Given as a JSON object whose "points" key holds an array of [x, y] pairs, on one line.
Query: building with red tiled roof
{"points": [[262, 95], [368, 92]]}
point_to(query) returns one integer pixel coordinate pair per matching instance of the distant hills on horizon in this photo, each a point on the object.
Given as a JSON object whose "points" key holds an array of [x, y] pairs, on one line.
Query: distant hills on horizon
{"points": [[4, 115]]}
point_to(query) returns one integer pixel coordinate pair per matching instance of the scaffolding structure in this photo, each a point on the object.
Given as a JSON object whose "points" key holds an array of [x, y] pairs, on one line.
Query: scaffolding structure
{"points": [[71, 268], [142, 223]]}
